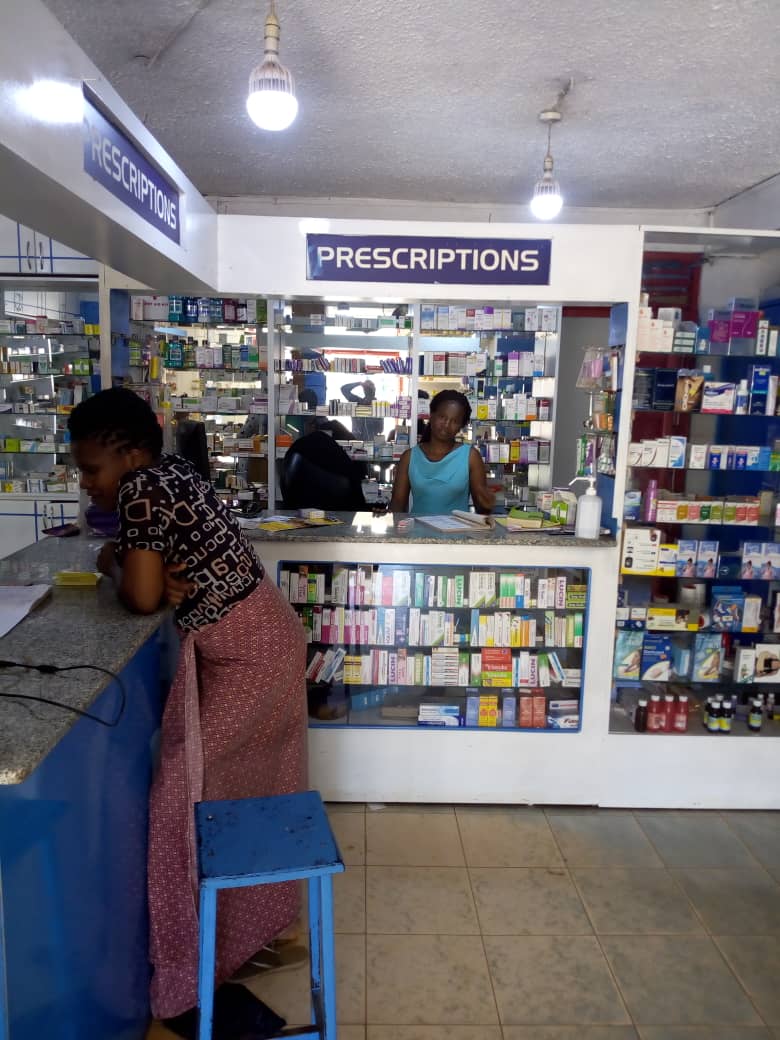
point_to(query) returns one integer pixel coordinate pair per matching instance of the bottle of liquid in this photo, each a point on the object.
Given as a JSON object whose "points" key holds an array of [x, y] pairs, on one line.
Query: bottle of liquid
{"points": [[770, 706], [742, 398], [756, 716], [588, 522], [713, 716], [640, 716], [668, 713], [705, 712], [655, 715], [680, 717], [726, 717]]}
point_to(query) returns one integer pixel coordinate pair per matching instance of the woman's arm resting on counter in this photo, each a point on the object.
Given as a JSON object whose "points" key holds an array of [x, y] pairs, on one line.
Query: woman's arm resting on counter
{"points": [[484, 498], [399, 502], [143, 581]]}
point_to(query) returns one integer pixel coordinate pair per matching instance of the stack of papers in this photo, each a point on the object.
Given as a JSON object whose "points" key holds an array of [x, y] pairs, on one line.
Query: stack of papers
{"points": [[16, 602]]}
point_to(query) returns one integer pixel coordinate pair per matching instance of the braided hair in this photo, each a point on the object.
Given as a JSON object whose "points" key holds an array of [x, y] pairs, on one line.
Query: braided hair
{"points": [[119, 418]]}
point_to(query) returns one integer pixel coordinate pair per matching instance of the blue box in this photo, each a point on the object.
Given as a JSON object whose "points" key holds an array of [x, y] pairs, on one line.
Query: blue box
{"points": [[656, 657], [686, 558], [728, 606]]}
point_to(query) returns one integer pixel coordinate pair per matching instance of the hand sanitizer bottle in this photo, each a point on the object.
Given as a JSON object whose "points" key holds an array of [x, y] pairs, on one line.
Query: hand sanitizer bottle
{"points": [[588, 522]]}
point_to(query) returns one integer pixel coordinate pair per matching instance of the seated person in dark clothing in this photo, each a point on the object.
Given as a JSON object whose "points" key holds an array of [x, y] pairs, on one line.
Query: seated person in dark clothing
{"points": [[320, 422], [318, 473]]}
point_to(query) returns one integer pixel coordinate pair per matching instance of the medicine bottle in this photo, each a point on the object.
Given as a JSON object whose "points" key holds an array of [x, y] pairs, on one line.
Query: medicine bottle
{"points": [[640, 716], [655, 714], [668, 713], [726, 717], [713, 716], [680, 718], [756, 716]]}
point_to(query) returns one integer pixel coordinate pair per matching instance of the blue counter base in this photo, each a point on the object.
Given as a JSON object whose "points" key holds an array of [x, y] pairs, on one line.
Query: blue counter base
{"points": [[73, 842]]}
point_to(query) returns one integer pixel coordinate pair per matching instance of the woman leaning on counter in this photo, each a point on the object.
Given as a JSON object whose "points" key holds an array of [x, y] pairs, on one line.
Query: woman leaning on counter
{"points": [[439, 473]]}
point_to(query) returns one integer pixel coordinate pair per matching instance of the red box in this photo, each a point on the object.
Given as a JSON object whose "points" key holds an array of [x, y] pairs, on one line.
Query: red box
{"points": [[526, 720], [539, 711]]}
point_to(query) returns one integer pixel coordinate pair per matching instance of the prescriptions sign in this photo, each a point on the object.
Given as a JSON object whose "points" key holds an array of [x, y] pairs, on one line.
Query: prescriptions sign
{"points": [[445, 261], [113, 160]]}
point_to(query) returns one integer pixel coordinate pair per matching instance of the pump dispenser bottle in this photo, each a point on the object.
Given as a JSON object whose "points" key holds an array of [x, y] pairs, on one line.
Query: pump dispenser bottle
{"points": [[588, 522]]}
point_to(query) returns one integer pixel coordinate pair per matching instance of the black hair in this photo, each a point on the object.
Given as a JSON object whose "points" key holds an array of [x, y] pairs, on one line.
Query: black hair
{"points": [[308, 397], [446, 397], [119, 418]]}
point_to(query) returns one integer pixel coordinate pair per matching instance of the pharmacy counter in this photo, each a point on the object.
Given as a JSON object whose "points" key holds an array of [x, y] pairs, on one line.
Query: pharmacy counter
{"points": [[374, 750], [73, 806]]}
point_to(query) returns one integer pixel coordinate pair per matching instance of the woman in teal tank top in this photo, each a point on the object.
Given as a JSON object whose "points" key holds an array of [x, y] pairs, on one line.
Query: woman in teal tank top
{"points": [[438, 473]]}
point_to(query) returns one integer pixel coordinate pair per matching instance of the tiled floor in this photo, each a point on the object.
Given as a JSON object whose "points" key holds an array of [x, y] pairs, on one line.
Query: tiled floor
{"points": [[566, 924]]}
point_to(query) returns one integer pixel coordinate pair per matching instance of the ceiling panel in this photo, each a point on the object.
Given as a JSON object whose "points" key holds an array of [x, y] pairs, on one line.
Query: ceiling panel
{"points": [[674, 104]]}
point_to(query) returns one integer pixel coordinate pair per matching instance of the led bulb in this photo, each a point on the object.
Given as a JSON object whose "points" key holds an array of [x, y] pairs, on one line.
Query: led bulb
{"points": [[271, 102], [546, 204], [271, 109]]}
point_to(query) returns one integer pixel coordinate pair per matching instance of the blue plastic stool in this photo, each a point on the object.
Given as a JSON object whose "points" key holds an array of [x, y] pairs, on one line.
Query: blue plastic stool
{"points": [[260, 841]]}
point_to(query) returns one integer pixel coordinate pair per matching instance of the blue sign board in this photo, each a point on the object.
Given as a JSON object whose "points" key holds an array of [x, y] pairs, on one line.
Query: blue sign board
{"points": [[444, 261], [117, 163]]}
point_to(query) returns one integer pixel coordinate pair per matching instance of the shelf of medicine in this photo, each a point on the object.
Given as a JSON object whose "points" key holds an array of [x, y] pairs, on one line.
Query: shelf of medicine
{"points": [[698, 469], [709, 415], [703, 523], [762, 359], [723, 579], [621, 724]]}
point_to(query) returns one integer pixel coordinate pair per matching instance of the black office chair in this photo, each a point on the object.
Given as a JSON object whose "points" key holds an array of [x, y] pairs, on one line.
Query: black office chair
{"points": [[317, 473]]}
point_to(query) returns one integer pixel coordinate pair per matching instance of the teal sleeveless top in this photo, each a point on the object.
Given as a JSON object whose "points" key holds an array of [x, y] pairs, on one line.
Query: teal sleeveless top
{"points": [[439, 487]]}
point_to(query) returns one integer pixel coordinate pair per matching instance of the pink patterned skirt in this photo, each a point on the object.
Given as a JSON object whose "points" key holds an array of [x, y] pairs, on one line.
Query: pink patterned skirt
{"points": [[234, 727]]}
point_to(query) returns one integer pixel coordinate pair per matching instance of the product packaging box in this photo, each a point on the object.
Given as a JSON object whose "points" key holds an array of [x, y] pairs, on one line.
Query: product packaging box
{"points": [[540, 711], [751, 560], [563, 714], [677, 451], [628, 654], [664, 386], [697, 456], [668, 619], [751, 614], [681, 659], [707, 657], [767, 663], [743, 328], [667, 560], [687, 552], [632, 505], [656, 657], [635, 453], [718, 397], [728, 603], [641, 547], [688, 391], [526, 716], [707, 559], [770, 561], [744, 664]]}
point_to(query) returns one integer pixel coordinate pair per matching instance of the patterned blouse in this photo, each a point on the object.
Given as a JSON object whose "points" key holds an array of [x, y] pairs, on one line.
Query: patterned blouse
{"points": [[170, 509]]}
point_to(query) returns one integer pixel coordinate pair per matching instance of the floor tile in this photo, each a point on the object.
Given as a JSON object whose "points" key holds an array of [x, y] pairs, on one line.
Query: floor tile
{"points": [[704, 1033], [760, 831], [734, 902], [433, 1033], [351, 979], [543, 980], [676, 980], [755, 961], [349, 900], [635, 901], [534, 901], [344, 807], [352, 1032], [413, 839], [350, 833], [570, 1033], [420, 900], [507, 838], [694, 839], [428, 979], [593, 838], [288, 992]]}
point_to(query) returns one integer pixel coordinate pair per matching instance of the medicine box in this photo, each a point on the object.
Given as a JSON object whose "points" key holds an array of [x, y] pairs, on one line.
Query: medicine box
{"points": [[676, 458], [656, 657], [707, 559]]}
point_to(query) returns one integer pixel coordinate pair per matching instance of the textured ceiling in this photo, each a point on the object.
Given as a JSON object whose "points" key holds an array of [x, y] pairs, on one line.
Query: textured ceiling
{"points": [[675, 102]]}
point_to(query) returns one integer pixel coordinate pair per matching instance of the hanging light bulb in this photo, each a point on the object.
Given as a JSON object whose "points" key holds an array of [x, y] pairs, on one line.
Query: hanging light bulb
{"points": [[547, 200], [271, 103]]}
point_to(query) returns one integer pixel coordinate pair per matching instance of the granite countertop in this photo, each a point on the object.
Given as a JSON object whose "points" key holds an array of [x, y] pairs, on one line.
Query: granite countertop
{"points": [[73, 626], [365, 527]]}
